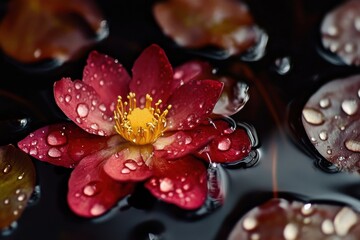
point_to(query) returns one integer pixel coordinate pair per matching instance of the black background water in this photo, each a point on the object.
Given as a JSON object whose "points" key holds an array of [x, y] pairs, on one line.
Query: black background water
{"points": [[287, 162]]}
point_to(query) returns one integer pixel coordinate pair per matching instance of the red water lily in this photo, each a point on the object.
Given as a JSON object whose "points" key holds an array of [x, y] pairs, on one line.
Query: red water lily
{"points": [[153, 127]]}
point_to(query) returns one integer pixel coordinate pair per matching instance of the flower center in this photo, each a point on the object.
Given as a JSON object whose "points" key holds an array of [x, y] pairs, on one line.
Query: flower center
{"points": [[140, 125]]}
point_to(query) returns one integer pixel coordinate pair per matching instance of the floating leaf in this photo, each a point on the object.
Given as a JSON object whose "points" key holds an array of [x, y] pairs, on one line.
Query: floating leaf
{"points": [[36, 30], [17, 175], [280, 219], [340, 32], [331, 121]]}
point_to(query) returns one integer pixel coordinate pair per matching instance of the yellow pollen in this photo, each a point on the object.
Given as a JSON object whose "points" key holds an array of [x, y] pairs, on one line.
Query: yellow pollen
{"points": [[140, 125]]}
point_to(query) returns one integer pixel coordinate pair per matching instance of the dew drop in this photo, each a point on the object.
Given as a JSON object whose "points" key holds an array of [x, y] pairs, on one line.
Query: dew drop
{"points": [[188, 140], [324, 103], [307, 209], [166, 185], [323, 135], [283, 65], [101, 83], [21, 197], [290, 231], [67, 98], [94, 126], [97, 210], [6, 201], [21, 176], [125, 170], [54, 152], [82, 110], [33, 151], [344, 220], [102, 107], [349, 106], [34, 142], [327, 227], [249, 223], [224, 144], [313, 116], [352, 145], [78, 85], [130, 165], [91, 189], [7, 169], [56, 138]]}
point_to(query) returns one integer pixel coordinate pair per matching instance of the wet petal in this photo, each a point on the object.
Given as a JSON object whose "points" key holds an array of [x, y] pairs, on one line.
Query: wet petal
{"points": [[128, 164], [187, 110], [91, 191], [224, 24], [152, 74], [107, 77], [181, 182], [52, 32], [17, 175], [62, 144], [190, 71], [331, 120], [83, 106], [340, 31], [282, 219], [233, 97], [180, 143], [228, 146]]}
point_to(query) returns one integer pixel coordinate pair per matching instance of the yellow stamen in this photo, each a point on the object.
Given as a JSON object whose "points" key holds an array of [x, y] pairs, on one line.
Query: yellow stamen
{"points": [[140, 125]]}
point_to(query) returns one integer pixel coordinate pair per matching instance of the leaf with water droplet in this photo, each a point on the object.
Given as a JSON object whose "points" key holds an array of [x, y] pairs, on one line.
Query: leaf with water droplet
{"points": [[290, 220], [334, 128], [227, 25], [181, 182], [58, 37], [17, 182], [61, 144]]}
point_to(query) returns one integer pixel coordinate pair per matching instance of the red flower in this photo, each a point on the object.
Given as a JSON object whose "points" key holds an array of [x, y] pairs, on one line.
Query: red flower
{"points": [[146, 128]]}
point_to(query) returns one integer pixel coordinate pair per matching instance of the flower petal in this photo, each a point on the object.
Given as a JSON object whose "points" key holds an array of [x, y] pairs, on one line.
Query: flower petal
{"points": [[283, 219], [181, 182], [128, 165], [189, 71], [17, 183], [230, 145], [61, 144], [107, 77], [192, 103], [84, 106], [91, 191], [152, 74], [181, 143]]}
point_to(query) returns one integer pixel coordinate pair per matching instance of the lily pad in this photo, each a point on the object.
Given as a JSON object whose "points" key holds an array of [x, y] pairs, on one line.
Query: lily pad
{"points": [[280, 219], [57, 30], [331, 121], [340, 32], [17, 175]]}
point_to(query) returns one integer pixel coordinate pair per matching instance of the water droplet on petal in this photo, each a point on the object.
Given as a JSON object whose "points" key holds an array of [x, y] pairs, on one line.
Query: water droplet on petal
{"points": [[283, 65], [97, 209], [224, 144], [125, 170], [352, 145], [21, 197], [91, 189], [313, 116], [130, 164], [249, 223], [82, 110], [188, 140], [290, 231], [56, 138], [7, 169], [344, 220], [307, 209], [94, 126], [21, 176], [78, 85], [102, 107], [166, 185], [67, 98], [327, 227], [54, 152]]}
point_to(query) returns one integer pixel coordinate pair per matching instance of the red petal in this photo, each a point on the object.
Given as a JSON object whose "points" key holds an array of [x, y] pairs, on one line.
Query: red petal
{"points": [[193, 70], [107, 77], [61, 144], [127, 165], [182, 143], [229, 146], [84, 106], [192, 103], [91, 191], [152, 74], [181, 182]]}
